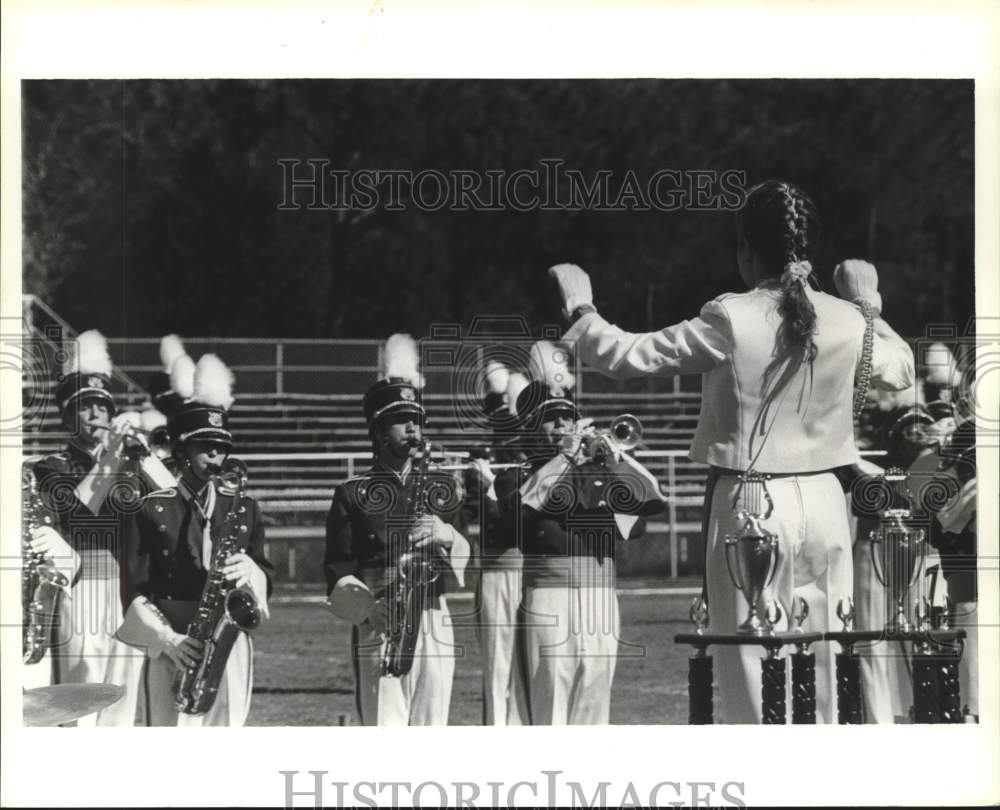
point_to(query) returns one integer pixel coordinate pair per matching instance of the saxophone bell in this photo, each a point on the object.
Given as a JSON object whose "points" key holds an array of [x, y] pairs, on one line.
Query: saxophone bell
{"points": [[41, 582]]}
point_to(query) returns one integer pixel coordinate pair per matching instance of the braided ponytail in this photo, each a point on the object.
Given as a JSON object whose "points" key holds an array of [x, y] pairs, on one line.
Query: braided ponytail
{"points": [[780, 224]]}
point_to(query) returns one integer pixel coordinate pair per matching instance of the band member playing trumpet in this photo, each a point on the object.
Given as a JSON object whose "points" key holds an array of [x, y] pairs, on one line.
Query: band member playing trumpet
{"points": [[378, 521], [170, 545], [88, 490], [780, 364], [568, 511]]}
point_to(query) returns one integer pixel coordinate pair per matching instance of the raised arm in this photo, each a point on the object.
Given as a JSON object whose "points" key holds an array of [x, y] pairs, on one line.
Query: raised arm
{"points": [[892, 358], [693, 346]]}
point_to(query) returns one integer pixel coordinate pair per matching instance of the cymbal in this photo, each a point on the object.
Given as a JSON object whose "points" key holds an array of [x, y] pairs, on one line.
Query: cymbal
{"points": [[63, 703]]}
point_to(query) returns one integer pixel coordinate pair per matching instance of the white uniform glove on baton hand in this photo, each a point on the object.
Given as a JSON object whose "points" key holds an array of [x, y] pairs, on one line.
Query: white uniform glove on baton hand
{"points": [[857, 279], [574, 287]]}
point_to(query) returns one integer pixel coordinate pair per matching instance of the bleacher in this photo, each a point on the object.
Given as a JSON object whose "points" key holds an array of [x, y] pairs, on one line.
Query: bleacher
{"points": [[300, 444]]}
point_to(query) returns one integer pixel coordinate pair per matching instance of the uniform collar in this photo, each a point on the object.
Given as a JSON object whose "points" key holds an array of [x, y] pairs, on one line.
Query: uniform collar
{"points": [[400, 475]]}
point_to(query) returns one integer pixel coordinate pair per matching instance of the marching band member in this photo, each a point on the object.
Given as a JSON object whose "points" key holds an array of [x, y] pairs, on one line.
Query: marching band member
{"points": [[779, 365], [887, 690], [562, 514], [170, 544], [89, 488], [499, 583], [168, 390], [371, 523]]}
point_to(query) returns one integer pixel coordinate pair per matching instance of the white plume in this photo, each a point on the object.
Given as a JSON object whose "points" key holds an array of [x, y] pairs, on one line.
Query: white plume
{"points": [[182, 377], [133, 418], [151, 418], [400, 359], [213, 382], [550, 363], [89, 355], [941, 366], [515, 385], [497, 376], [170, 349]]}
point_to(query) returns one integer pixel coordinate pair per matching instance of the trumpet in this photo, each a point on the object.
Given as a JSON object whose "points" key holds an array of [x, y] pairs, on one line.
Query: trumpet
{"points": [[139, 444], [624, 434]]}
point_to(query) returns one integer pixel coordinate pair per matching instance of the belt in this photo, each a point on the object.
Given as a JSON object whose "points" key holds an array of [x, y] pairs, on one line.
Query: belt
{"points": [[720, 471]]}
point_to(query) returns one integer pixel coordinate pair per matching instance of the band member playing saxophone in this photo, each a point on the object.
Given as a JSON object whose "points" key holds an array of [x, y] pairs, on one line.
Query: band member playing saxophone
{"points": [[88, 490], [392, 544], [173, 571]]}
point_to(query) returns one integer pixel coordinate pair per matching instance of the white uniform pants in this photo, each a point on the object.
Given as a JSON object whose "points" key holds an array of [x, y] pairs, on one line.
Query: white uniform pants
{"points": [[85, 649], [570, 647], [232, 704], [814, 538], [499, 601], [422, 697]]}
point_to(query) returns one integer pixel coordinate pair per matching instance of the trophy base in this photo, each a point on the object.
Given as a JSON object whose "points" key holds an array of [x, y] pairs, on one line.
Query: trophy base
{"points": [[753, 626], [745, 639]]}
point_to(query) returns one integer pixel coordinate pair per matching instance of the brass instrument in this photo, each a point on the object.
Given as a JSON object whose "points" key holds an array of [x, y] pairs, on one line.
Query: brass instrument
{"points": [[409, 592], [41, 581], [224, 611], [624, 434], [138, 444]]}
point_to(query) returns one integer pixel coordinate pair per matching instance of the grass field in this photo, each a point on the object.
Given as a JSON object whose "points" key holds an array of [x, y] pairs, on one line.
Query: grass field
{"points": [[303, 672]]}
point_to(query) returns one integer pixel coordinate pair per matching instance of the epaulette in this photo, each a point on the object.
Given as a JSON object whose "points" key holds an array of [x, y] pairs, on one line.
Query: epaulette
{"points": [[226, 491], [169, 492]]}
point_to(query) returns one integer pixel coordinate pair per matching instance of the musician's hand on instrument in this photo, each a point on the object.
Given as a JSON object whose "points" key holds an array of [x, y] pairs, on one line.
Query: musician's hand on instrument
{"points": [[856, 280], [574, 287], [433, 532], [378, 617], [46, 541], [238, 569], [482, 466], [183, 650]]}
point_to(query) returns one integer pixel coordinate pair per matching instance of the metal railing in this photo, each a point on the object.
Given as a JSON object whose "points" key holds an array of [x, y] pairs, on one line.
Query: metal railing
{"points": [[295, 366]]}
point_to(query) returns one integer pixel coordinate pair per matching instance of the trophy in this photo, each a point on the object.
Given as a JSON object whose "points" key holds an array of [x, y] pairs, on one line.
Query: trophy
{"points": [[898, 551], [752, 555], [803, 671]]}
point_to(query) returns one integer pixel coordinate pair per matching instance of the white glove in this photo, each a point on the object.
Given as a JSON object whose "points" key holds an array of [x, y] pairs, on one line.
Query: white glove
{"points": [[482, 466], [377, 619], [574, 287], [857, 279], [432, 531]]}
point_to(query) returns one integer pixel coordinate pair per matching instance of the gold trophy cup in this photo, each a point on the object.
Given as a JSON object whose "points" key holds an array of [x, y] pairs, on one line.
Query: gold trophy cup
{"points": [[752, 558], [898, 551]]}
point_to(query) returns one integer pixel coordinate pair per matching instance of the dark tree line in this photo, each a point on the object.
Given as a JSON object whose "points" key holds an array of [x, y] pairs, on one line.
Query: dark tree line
{"points": [[152, 206]]}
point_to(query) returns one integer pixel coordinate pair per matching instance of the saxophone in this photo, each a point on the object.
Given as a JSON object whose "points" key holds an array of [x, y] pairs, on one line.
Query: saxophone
{"points": [[410, 590], [41, 581], [223, 612]]}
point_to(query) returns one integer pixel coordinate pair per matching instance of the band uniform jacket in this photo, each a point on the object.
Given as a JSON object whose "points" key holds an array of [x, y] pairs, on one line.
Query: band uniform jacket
{"points": [[731, 343], [164, 550], [497, 546], [367, 523], [575, 532], [84, 647]]}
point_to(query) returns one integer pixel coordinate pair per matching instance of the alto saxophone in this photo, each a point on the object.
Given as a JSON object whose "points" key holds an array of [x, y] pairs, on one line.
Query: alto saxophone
{"points": [[410, 590], [223, 612], [41, 582]]}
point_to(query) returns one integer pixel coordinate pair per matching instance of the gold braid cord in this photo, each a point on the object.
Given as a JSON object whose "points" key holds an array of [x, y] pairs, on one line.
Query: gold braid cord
{"points": [[864, 378]]}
